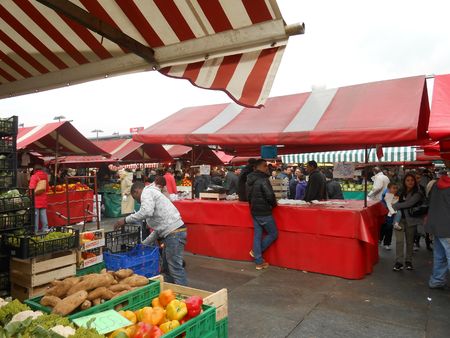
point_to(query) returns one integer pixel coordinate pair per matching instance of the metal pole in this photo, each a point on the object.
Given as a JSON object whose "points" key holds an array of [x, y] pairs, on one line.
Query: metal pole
{"points": [[366, 176], [97, 209], [56, 159], [192, 173]]}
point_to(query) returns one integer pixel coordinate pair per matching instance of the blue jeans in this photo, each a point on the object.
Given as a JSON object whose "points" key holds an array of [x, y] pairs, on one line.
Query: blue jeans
{"points": [[260, 245], [397, 217], [40, 214], [172, 258], [441, 262]]}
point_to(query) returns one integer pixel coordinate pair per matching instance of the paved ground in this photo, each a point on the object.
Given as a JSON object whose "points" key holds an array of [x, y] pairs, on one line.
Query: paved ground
{"points": [[287, 303]]}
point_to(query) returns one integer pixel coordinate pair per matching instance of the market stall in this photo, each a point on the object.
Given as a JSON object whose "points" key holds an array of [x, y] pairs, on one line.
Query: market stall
{"points": [[389, 113], [339, 240]]}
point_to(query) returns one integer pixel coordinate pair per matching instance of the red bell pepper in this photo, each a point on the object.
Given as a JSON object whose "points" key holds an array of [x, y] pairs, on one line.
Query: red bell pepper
{"points": [[143, 330], [194, 306]]}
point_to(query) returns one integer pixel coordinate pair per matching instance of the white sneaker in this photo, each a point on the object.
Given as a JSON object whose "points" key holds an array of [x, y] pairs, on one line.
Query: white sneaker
{"points": [[397, 227], [387, 247]]}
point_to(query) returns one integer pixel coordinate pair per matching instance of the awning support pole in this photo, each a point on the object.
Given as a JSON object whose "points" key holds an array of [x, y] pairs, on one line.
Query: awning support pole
{"points": [[192, 173], [366, 175], [56, 160]]}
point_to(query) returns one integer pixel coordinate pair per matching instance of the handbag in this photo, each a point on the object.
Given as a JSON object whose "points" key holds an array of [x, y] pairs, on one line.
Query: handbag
{"points": [[41, 187]]}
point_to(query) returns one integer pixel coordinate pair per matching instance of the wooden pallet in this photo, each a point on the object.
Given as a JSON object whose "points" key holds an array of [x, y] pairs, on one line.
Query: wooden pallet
{"points": [[34, 273], [212, 196], [22, 293], [217, 299]]}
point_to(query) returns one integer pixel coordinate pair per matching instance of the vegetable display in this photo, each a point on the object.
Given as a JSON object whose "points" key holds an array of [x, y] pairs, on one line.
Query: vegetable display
{"points": [[166, 314], [74, 294], [62, 188]]}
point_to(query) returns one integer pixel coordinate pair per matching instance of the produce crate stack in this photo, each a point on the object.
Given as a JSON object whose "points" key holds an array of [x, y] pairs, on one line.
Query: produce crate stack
{"points": [[280, 188], [124, 239], [16, 207], [90, 253]]}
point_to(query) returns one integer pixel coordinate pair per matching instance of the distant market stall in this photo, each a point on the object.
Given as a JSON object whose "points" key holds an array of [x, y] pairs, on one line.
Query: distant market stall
{"points": [[388, 113]]}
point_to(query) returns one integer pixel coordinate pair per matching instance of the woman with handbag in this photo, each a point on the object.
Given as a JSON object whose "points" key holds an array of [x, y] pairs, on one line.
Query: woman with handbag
{"points": [[410, 197], [39, 184]]}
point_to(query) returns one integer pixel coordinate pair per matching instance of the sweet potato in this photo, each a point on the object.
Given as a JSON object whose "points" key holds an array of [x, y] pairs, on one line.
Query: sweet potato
{"points": [[70, 303], [123, 273], [96, 302], [61, 288], [119, 287], [91, 282], [101, 292], [135, 280], [86, 305], [50, 301], [120, 294]]}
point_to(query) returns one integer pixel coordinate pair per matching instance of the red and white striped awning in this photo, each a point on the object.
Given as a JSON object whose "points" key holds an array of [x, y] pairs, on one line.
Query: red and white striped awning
{"points": [[234, 46], [393, 112], [58, 137], [123, 151]]}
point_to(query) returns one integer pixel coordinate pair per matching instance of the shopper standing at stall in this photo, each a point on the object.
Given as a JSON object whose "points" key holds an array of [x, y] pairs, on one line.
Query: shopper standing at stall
{"points": [[380, 183], [316, 188], [334, 190], [410, 196], [232, 181], [262, 200], [126, 181], [242, 184], [170, 180], [39, 185], [438, 224], [168, 228]]}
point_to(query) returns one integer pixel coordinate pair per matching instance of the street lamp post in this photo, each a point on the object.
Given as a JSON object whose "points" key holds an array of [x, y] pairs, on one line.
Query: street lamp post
{"points": [[59, 118], [97, 131]]}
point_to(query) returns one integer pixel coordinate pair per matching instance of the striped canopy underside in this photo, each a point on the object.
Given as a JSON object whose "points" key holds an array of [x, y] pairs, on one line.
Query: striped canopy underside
{"points": [[36, 42], [391, 154]]}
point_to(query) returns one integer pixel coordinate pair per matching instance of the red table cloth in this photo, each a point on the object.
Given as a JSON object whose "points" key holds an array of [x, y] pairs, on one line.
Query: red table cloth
{"points": [[330, 239], [79, 201]]}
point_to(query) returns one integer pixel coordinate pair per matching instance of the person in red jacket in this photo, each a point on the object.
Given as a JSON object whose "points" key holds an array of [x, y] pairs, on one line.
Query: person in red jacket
{"points": [[40, 200], [170, 182]]}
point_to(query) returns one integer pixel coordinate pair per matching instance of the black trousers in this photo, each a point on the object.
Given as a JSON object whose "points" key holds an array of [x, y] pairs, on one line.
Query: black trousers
{"points": [[386, 231]]}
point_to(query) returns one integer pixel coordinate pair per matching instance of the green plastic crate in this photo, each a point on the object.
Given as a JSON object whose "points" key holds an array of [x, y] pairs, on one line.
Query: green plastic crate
{"points": [[132, 300], [91, 269], [222, 328]]}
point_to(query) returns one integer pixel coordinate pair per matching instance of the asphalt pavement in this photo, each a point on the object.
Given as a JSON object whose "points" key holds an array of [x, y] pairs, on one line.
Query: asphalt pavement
{"points": [[280, 302]]}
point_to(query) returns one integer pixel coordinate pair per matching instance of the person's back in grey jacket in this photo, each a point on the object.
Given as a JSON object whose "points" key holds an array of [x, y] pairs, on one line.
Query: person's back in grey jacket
{"points": [[334, 190], [317, 187], [438, 221]]}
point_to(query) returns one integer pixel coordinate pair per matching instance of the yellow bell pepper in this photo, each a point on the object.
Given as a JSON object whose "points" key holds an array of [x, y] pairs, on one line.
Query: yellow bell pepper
{"points": [[130, 315], [176, 310], [154, 316], [169, 326]]}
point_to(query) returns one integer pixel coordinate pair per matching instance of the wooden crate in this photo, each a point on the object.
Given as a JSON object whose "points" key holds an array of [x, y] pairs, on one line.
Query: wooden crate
{"points": [[35, 272], [212, 196], [22, 293], [217, 299]]}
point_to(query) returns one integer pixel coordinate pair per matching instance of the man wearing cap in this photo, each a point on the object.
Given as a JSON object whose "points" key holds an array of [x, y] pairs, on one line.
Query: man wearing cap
{"points": [[168, 228]]}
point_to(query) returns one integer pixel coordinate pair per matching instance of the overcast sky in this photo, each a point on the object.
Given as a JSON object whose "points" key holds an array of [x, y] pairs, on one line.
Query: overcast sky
{"points": [[346, 42]]}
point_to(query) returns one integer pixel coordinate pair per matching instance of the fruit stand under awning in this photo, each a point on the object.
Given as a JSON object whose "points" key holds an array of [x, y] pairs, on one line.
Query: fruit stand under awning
{"points": [[60, 138], [390, 154], [393, 112], [234, 46]]}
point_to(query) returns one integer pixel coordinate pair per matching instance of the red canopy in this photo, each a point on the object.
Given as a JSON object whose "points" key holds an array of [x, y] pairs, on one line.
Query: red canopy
{"points": [[46, 138], [122, 150], [439, 127], [235, 46], [202, 155], [393, 112]]}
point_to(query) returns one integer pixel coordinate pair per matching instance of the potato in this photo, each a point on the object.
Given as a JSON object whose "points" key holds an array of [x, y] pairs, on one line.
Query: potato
{"points": [[50, 301], [70, 303], [91, 282], [86, 305], [135, 280], [61, 288], [123, 273], [101, 292], [119, 287]]}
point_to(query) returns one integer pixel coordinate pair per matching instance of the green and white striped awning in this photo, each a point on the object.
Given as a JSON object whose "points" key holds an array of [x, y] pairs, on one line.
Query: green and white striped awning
{"points": [[391, 154]]}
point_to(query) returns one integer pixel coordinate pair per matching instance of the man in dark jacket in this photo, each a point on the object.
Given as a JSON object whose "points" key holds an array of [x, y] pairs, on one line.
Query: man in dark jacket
{"points": [[438, 224], [262, 200], [334, 191], [242, 187], [317, 187]]}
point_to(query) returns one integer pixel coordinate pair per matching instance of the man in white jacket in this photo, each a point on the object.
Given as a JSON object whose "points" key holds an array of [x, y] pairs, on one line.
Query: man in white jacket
{"points": [[380, 183], [168, 228]]}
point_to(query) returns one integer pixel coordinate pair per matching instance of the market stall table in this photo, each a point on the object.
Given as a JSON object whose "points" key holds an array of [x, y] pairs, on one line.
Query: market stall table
{"points": [[79, 202], [338, 240]]}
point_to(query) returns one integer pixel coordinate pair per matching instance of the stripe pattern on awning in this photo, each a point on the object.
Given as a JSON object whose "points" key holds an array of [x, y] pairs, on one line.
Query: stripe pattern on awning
{"points": [[391, 154], [41, 49]]}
